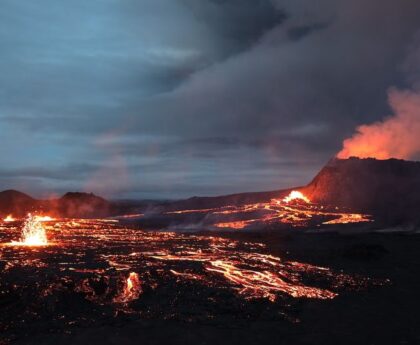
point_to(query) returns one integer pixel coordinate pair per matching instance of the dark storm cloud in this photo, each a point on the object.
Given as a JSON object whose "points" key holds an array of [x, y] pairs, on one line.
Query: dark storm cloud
{"points": [[299, 32], [191, 97], [237, 23]]}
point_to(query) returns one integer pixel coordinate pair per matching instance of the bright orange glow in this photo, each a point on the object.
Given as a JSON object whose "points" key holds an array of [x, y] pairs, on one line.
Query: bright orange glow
{"points": [[265, 284], [233, 225], [33, 233], [9, 218], [347, 218], [296, 195], [295, 209], [368, 142], [44, 218], [395, 136], [252, 275], [132, 289]]}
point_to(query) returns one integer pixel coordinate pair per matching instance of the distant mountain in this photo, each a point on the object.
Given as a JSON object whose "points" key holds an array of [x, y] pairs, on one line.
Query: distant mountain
{"points": [[16, 203], [78, 205], [82, 205]]}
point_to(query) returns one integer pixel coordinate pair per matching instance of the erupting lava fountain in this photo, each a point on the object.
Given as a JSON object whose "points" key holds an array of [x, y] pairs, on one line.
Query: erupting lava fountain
{"points": [[296, 195], [33, 233]]}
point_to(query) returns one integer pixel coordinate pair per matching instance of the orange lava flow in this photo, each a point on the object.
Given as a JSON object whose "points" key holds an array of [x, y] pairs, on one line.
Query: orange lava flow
{"points": [[233, 225], [348, 218], [294, 209], [93, 253], [44, 218], [132, 289], [264, 284], [253, 275], [33, 233]]}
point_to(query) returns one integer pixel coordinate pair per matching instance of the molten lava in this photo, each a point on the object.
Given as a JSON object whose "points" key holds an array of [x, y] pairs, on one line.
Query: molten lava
{"points": [[9, 218], [295, 209], [33, 233], [44, 218], [296, 195], [132, 289], [183, 276]]}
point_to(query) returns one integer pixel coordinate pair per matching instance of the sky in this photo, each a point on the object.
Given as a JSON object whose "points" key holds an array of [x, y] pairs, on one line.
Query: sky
{"points": [[174, 98]]}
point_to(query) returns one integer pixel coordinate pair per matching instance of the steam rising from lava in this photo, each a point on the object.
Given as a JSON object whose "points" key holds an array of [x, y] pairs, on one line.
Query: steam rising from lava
{"points": [[394, 137]]}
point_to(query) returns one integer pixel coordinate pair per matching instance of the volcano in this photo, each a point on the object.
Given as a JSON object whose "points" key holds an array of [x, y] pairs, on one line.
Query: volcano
{"points": [[388, 189]]}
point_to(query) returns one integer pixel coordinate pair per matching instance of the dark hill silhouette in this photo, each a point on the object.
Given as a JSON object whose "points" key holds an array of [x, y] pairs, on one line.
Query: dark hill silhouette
{"points": [[84, 205], [226, 200], [78, 205], [16, 203]]}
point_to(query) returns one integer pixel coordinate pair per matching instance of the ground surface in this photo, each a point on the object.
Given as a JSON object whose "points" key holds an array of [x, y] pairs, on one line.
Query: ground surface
{"points": [[286, 287]]}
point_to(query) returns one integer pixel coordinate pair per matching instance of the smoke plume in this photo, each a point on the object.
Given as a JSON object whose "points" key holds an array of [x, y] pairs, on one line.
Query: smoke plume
{"points": [[397, 136]]}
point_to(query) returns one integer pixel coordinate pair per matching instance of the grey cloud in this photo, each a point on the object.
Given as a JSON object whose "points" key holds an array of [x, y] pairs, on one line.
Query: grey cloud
{"points": [[238, 24], [298, 32], [193, 97]]}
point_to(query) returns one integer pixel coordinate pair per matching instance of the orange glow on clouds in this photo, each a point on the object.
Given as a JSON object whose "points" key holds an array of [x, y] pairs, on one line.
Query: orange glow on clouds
{"points": [[394, 137]]}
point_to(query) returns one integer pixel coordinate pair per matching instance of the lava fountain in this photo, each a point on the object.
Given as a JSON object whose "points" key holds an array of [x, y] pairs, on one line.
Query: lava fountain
{"points": [[33, 233], [294, 196]]}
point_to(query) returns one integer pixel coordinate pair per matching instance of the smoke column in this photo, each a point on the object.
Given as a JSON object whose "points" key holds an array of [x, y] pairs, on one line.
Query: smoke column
{"points": [[397, 136]]}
